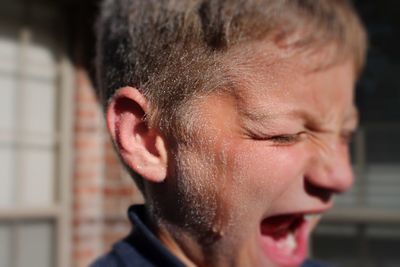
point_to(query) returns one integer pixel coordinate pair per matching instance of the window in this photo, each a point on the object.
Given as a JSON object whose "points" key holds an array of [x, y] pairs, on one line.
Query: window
{"points": [[364, 228], [34, 138]]}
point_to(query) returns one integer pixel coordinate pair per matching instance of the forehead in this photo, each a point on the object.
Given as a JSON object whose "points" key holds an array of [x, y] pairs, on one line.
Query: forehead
{"points": [[267, 59], [292, 86]]}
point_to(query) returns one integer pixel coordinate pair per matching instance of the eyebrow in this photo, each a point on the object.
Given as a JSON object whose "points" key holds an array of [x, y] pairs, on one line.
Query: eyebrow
{"points": [[260, 116], [263, 116]]}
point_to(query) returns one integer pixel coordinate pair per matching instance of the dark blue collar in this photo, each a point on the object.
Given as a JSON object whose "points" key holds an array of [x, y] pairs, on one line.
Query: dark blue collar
{"points": [[146, 243]]}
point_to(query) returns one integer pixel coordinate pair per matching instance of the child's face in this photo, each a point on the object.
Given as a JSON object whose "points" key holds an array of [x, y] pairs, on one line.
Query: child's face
{"points": [[267, 159]]}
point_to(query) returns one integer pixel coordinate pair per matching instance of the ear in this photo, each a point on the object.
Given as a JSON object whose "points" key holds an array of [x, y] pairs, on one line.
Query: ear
{"points": [[142, 148]]}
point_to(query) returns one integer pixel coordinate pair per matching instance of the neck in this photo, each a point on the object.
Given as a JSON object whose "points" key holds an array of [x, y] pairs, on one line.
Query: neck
{"points": [[172, 245]]}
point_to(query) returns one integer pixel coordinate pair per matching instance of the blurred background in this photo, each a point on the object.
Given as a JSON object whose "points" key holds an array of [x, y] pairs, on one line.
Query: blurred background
{"points": [[63, 194]]}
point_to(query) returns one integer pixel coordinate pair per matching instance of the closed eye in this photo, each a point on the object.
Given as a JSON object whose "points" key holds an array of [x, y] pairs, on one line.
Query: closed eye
{"points": [[286, 139], [281, 139]]}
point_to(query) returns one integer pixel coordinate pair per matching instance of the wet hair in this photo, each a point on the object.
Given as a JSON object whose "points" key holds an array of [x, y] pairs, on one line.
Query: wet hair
{"points": [[175, 50]]}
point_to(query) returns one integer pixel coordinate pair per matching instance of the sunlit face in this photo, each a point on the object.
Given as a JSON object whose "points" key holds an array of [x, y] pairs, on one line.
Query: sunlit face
{"points": [[266, 162]]}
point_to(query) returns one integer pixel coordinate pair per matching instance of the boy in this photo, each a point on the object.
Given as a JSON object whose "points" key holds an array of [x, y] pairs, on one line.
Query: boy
{"points": [[233, 117]]}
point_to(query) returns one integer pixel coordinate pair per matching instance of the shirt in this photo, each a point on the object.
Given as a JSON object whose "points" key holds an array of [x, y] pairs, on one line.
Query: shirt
{"points": [[141, 248]]}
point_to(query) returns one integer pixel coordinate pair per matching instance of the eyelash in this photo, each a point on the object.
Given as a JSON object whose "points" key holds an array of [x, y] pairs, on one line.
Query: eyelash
{"points": [[285, 138], [347, 137], [282, 139]]}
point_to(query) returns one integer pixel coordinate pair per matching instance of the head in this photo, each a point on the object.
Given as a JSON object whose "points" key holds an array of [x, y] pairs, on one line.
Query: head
{"points": [[232, 117]]}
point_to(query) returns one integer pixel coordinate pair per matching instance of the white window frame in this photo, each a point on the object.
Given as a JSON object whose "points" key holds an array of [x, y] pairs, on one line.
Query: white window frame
{"points": [[360, 215], [60, 211]]}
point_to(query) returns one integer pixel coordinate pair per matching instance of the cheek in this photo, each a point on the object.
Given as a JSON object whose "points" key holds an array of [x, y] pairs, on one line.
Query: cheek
{"points": [[267, 171]]}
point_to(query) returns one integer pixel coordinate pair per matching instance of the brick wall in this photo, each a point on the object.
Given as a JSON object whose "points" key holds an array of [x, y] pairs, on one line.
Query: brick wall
{"points": [[101, 189]]}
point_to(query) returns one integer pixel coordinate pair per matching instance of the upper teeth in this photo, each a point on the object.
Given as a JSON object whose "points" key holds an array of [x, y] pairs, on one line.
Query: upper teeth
{"points": [[308, 217]]}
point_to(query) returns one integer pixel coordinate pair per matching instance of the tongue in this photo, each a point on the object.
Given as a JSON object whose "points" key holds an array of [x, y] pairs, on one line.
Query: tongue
{"points": [[283, 239], [278, 227]]}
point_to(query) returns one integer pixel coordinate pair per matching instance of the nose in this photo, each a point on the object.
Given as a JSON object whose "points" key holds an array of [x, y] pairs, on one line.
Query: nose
{"points": [[330, 170]]}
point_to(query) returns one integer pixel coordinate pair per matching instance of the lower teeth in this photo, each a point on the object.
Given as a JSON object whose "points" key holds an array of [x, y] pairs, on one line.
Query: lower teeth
{"points": [[287, 244]]}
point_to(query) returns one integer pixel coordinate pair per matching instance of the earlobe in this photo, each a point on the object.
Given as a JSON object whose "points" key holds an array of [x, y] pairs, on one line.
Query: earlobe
{"points": [[142, 148]]}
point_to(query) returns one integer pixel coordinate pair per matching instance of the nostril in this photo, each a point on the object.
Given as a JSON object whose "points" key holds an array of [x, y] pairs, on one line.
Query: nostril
{"points": [[316, 191]]}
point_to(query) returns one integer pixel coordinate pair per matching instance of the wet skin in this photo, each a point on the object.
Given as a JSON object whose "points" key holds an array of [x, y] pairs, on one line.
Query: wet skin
{"points": [[277, 147]]}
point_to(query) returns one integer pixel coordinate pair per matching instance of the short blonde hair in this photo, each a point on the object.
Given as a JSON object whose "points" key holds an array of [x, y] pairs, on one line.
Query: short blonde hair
{"points": [[173, 50]]}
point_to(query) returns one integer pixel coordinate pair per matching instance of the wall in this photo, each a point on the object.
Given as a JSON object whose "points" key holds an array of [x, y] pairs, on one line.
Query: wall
{"points": [[101, 189]]}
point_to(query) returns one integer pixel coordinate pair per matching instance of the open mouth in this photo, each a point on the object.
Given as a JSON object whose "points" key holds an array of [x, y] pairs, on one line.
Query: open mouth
{"points": [[285, 238]]}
